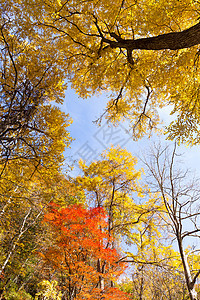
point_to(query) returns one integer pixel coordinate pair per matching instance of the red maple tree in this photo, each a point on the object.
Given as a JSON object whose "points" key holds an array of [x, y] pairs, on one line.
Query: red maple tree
{"points": [[82, 256]]}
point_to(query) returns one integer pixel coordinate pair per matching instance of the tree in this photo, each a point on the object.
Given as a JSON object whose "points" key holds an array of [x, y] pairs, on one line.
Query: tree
{"points": [[135, 49], [156, 282], [22, 232], [113, 182], [30, 80], [146, 44], [180, 198], [80, 252], [33, 136]]}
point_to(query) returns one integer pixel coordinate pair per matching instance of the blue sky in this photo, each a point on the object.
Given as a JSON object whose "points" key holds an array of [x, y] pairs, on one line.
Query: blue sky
{"points": [[91, 140]]}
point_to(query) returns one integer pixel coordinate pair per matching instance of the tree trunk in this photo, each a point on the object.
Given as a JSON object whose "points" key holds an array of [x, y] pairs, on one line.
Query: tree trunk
{"points": [[188, 277]]}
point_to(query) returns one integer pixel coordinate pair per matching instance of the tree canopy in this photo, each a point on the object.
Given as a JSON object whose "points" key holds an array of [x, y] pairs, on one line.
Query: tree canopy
{"points": [[143, 53]]}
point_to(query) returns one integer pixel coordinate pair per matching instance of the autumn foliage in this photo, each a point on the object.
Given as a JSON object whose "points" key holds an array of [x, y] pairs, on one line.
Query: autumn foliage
{"points": [[142, 56], [82, 254]]}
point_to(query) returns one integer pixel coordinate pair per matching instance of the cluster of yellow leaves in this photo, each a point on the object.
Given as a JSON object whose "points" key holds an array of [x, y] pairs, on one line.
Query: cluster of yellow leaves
{"points": [[48, 291], [72, 31], [34, 134], [172, 76]]}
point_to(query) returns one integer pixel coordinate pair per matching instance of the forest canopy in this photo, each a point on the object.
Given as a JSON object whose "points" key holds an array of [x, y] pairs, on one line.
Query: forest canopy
{"points": [[62, 237], [143, 53]]}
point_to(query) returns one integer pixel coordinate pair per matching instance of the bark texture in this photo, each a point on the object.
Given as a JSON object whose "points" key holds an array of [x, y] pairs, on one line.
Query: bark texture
{"points": [[172, 41]]}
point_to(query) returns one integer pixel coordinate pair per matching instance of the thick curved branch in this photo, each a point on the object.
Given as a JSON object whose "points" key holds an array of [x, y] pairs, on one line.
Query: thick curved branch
{"points": [[172, 41]]}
